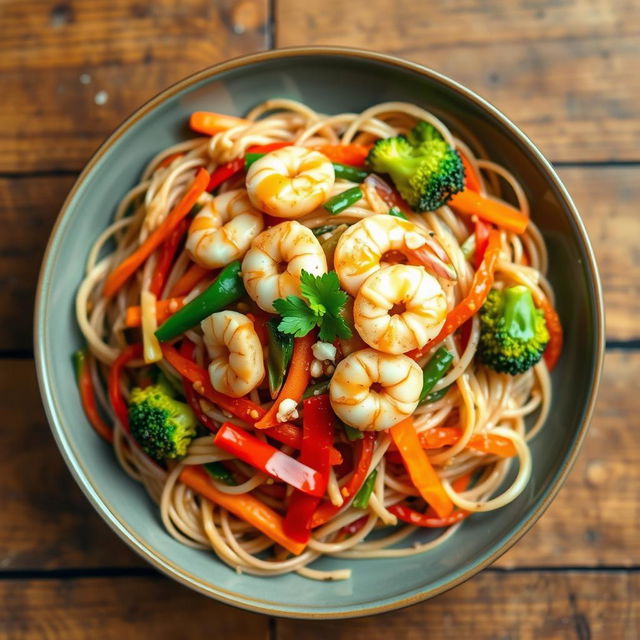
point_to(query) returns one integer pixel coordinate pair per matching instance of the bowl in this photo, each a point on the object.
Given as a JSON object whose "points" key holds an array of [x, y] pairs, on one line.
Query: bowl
{"points": [[330, 80]]}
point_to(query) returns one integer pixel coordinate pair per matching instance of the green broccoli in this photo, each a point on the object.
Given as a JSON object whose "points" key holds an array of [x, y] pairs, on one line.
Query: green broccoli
{"points": [[424, 168], [160, 424], [513, 332]]}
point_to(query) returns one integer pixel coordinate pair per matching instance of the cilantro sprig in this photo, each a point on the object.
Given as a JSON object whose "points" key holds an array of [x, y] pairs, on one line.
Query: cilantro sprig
{"points": [[321, 307]]}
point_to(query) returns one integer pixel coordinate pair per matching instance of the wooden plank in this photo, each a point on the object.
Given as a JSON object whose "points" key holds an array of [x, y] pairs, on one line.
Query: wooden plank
{"points": [[564, 71], [127, 608], [606, 197], [518, 606], [73, 71], [47, 523]]}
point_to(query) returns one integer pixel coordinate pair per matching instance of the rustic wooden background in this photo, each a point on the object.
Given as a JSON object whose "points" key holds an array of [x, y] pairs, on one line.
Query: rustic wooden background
{"points": [[566, 71]]}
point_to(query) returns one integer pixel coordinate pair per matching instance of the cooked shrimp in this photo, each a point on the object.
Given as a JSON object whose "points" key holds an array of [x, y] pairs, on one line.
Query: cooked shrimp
{"points": [[290, 182], [271, 268], [372, 391], [361, 248], [237, 363], [399, 308], [223, 229]]}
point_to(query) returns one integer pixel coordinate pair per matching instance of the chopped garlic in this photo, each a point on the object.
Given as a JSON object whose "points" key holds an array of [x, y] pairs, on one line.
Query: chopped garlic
{"points": [[324, 351], [414, 240], [287, 410], [316, 369]]}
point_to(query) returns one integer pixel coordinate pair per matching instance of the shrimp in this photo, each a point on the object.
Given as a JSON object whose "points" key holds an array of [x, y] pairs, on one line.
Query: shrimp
{"points": [[290, 182], [271, 268], [398, 308], [237, 362], [223, 229], [372, 391], [361, 248]]}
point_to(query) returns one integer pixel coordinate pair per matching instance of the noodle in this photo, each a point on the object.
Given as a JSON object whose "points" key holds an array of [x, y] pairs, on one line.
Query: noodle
{"points": [[479, 400]]}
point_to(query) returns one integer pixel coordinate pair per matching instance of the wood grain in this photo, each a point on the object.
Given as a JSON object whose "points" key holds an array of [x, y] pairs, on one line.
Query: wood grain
{"points": [[47, 523], [607, 198], [564, 71], [73, 70], [491, 606], [127, 608]]}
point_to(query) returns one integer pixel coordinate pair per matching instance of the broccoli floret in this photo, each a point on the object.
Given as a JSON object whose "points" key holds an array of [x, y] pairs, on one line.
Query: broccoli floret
{"points": [[161, 425], [513, 332], [424, 168]]}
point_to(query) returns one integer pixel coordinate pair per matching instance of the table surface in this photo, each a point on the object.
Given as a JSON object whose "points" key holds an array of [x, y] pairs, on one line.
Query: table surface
{"points": [[566, 72]]}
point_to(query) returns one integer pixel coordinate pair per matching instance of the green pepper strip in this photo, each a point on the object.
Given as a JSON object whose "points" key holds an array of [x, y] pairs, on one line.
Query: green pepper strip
{"points": [[434, 370], [352, 434], [353, 174], [224, 290], [362, 497], [218, 471], [280, 351], [320, 231], [396, 213], [250, 158], [343, 200], [316, 389], [436, 395]]}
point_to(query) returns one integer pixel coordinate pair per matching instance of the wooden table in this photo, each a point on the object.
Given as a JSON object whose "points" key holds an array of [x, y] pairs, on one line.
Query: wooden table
{"points": [[566, 72]]}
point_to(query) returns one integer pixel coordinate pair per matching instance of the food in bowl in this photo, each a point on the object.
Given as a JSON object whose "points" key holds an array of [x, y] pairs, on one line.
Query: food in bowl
{"points": [[319, 333]]}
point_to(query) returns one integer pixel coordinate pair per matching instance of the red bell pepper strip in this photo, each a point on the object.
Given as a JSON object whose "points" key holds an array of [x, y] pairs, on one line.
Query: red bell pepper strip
{"points": [[243, 505], [270, 460], [165, 260], [130, 265], [129, 353], [365, 448], [482, 230], [552, 319], [87, 396], [471, 304], [417, 464], [267, 148], [355, 526], [242, 408], [224, 172], [297, 380], [317, 442]]}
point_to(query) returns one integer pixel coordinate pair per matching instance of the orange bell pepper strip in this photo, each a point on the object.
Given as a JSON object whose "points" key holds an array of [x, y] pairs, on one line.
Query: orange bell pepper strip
{"points": [[130, 265], [353, 155], [471, 179], [297, 379], [417, 464], [189, 279], [489, 209], [242, 505], [210, 123]]}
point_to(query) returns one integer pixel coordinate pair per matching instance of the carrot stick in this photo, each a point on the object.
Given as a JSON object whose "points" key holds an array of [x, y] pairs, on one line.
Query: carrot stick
{"points": [[349, 154], [489, 209], [242, 505], [471, 179], [164, 309], [211, 123], [297, 379], [189, 279], [129, 265], [422, 474]]}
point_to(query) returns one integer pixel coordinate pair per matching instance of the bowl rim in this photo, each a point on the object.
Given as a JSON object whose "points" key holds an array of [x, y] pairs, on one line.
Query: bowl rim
{"points": [[101, 505]]}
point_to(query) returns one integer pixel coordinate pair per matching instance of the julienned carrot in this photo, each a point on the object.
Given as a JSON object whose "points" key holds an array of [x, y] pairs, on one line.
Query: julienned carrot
{"points": [[129, 265], [297, 379], [165, 259], [489, 209], [242, 408], [242, 505], [471, 179], [422, 474], [437, 437], [552, 319], [211, 123], [470, 305], [165, 162], [349, 154], [164, 308], [191, 277], [131, 352], [87, 395]]}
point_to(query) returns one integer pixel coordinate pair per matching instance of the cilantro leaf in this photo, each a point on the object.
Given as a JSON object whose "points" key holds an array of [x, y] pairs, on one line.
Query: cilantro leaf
{"points": [[332, 327], [323, 292], [297, 318]]}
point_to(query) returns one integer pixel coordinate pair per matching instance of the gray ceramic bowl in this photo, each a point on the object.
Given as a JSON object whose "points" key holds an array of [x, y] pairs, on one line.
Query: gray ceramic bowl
{"points": [[331, 80]]}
